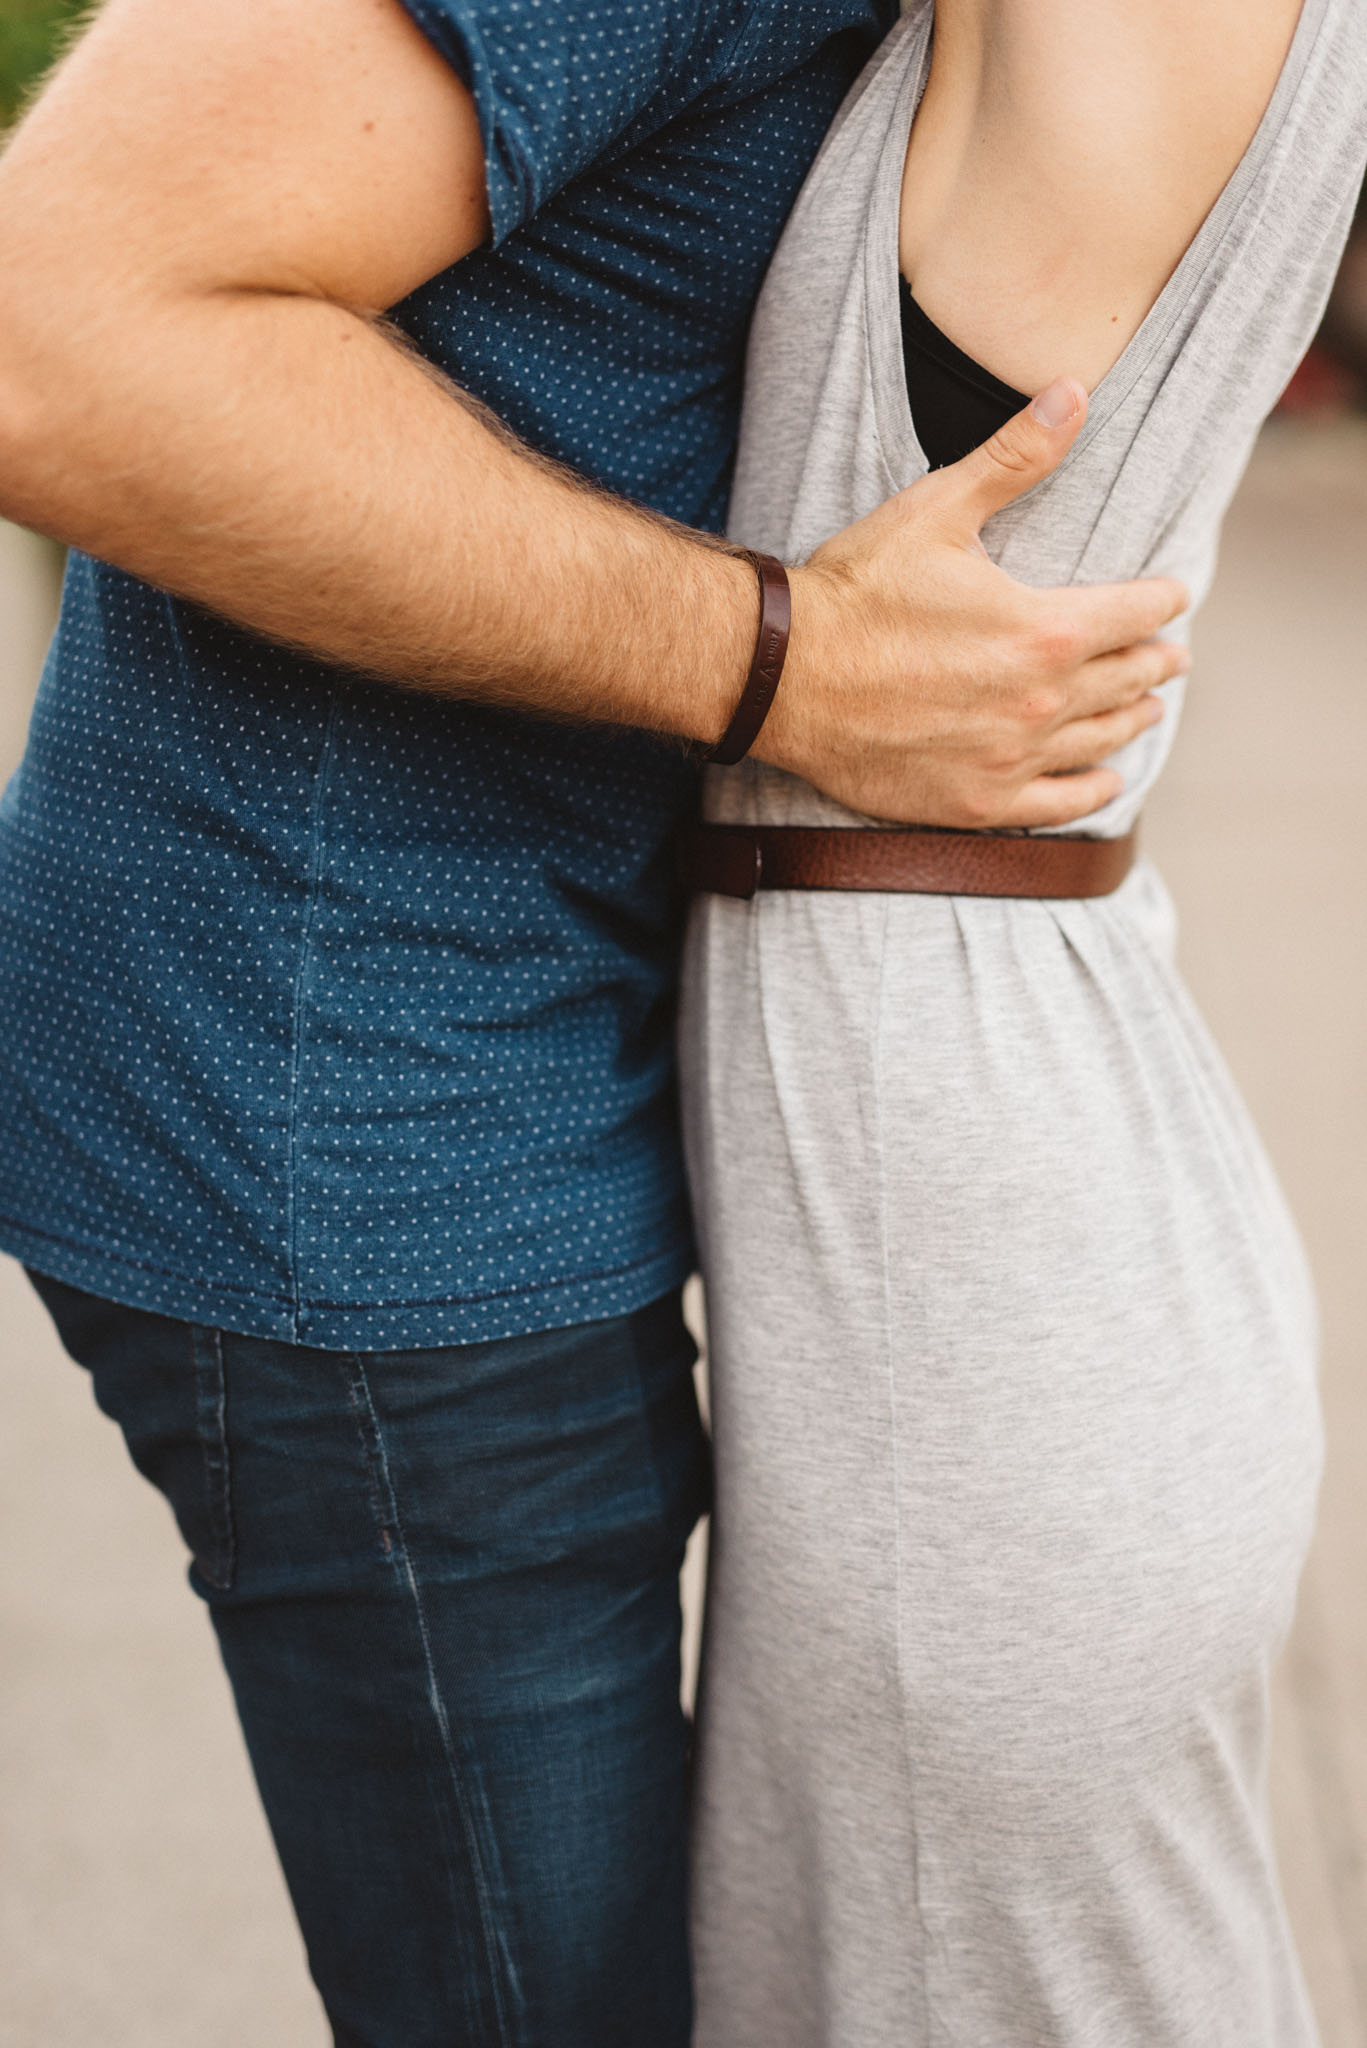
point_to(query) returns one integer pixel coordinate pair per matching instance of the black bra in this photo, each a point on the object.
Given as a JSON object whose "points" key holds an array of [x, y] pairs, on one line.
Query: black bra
{"points": [[955, 403]]}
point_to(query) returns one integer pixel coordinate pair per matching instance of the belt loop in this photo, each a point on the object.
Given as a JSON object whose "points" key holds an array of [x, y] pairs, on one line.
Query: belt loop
{"points": [[742, 863], [726, 859], [758, 872]]}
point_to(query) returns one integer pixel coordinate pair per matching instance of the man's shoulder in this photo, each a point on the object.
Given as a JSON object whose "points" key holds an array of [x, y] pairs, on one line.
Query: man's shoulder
{"points": [[561, 85]]}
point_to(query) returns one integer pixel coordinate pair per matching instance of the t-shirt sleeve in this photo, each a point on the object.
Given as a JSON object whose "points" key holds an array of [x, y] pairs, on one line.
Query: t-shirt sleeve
{"points": [[556, 82]]}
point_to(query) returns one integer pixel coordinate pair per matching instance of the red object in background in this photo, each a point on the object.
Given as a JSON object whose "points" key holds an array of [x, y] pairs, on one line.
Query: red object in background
{"points": [[1321, 385]]}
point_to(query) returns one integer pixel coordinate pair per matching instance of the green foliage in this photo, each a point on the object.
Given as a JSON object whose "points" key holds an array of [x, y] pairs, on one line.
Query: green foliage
{"points": [[30, 36]]}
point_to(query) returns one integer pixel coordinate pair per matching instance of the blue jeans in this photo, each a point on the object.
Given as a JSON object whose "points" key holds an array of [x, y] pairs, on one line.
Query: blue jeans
{"points": [[445, 1586]]}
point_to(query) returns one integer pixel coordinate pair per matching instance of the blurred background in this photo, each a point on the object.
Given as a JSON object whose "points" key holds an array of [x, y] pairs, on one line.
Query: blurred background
{"points": [[140, 1902], [30, 32]]}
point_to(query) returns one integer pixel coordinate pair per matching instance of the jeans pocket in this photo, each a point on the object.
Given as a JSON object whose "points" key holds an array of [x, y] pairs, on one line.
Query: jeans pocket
{"points": [[215, 1549]]}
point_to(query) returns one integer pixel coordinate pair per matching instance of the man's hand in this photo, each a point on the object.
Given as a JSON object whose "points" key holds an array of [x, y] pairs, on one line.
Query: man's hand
{"points": [[200, 222], [928, 687]]}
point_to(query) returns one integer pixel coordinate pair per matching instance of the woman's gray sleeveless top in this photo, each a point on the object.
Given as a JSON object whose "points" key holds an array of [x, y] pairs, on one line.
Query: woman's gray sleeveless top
{"points": [[827, 432]]}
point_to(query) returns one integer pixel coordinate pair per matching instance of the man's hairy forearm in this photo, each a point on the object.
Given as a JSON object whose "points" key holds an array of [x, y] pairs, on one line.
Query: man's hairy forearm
{"points": [[293, 466], [187, 217]]}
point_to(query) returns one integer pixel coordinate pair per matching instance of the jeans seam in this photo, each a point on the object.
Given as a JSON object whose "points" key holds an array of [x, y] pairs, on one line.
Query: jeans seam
{"points": [[385, 1507], [211, 1417]]}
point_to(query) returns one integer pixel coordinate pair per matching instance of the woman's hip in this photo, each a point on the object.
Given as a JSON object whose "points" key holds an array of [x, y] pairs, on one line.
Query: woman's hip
{"points": [[999, 1284]]}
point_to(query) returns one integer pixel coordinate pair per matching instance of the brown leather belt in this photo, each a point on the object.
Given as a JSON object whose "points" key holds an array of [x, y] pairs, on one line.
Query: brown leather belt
{"points": [[735, 860]]}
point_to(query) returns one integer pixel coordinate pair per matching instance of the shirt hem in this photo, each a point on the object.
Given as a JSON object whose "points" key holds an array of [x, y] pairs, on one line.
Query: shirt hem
{"points": [[407, 1326]]}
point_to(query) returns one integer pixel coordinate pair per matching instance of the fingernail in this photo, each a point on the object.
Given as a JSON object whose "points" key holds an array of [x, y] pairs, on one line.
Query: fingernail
{"points": [[1057, 403]]}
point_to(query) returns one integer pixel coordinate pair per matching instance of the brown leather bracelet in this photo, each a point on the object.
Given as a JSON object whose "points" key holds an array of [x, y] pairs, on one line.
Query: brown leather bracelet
{"points": [[771, 650]]}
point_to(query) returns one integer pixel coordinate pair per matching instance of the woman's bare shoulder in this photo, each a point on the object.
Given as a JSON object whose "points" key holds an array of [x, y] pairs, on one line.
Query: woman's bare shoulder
{"points": [[1065, 154]]}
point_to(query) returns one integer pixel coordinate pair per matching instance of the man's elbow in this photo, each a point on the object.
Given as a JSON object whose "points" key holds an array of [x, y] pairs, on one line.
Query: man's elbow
{"points": [[29, 444], [49, 381]]}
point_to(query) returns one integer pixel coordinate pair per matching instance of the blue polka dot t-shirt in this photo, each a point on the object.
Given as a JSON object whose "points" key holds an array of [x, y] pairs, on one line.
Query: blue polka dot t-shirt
{"points": [[340, 1014]]}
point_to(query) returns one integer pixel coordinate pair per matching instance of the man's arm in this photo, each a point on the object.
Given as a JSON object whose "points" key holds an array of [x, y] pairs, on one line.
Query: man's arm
{"points": [[200, 224]]}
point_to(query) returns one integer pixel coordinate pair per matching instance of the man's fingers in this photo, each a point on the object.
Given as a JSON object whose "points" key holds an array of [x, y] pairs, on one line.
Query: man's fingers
{"points": [[1109, 616], [1088, 741], [1016, 458], [1110, 681], [1062, 799]]}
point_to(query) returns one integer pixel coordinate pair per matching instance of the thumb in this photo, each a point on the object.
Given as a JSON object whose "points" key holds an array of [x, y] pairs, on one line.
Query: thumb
{"points": [[1018, 455]]}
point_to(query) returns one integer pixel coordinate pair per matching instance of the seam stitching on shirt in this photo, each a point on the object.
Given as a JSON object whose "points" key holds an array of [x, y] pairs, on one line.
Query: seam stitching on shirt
{"points": [[100, 1251], [502, 1294], [282, 1301], [749, 28], [321, 782]]}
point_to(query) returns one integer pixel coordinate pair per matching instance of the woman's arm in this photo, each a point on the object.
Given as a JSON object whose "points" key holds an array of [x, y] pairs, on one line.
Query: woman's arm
{"points": [[1064, 156]]}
